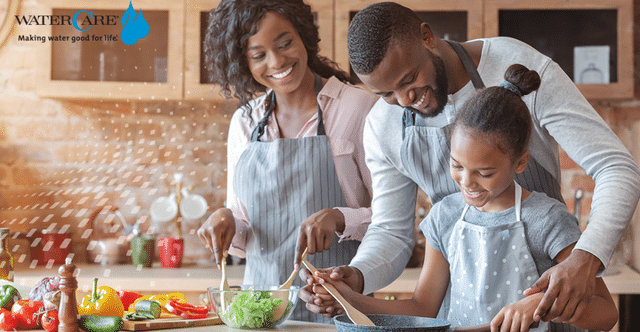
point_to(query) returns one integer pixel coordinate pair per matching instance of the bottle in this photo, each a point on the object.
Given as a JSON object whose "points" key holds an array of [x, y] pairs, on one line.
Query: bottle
{"points": [[6, 260]]}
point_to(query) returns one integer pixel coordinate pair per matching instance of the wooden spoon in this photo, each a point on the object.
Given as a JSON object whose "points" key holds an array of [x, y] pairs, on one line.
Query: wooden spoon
{"points": [[287, 284], [224, 286], [282, 307], [356, 316]]}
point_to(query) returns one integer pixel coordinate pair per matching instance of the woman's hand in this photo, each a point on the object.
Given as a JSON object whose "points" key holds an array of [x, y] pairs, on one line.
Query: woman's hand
{"points": [[571, 284], [217, 232], [317, 232], [517, 316]]}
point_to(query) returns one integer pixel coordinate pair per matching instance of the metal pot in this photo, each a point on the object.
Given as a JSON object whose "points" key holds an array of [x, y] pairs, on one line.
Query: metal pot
{"points": [[393, 323]]}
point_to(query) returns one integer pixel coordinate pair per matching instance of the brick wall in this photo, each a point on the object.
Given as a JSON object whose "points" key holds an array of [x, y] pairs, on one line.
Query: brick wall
{"points": [[60, 160]]}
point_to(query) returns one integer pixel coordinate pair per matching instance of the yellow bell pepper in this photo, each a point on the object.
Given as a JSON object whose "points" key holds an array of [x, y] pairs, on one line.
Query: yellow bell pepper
{"points": [[160, 298], [103, 301]]}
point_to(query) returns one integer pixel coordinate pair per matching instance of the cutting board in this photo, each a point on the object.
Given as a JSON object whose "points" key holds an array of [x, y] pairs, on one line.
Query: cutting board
{"points": [[170, 323]]}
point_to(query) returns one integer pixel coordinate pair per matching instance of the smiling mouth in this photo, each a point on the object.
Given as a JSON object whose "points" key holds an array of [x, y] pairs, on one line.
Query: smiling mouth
{"points": [[283, 74], [420, 103], [472, 195]]}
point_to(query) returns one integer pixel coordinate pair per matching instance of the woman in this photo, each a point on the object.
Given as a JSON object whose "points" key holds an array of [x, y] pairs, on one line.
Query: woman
{"points": [[296, 170]]}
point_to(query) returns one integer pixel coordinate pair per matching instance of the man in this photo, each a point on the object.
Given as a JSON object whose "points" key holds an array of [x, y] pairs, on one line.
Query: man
{"points": [[423, 80]]}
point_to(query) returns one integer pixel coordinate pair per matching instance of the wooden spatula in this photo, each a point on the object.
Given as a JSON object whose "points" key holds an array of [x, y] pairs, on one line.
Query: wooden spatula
{"points": [[356, 316], [287, 284]]}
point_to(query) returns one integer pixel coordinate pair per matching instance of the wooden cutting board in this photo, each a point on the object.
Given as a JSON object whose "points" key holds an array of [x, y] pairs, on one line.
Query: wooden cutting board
{"points": [[170, 323]]}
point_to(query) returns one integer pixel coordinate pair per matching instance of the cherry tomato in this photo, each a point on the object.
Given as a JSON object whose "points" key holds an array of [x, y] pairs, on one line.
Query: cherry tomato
{"points": [[25, 311], [8, 321], [50, 321]]}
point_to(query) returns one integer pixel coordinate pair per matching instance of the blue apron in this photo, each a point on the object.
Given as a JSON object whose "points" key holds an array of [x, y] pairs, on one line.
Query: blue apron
{"points": [[280, 184]]}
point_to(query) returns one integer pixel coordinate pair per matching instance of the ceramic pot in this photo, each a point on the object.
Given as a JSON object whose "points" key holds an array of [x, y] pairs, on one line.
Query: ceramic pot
{"points": [[171, 250]]}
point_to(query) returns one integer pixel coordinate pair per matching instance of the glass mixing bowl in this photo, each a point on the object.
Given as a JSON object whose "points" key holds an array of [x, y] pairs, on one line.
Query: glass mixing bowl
{"points": [[254, 306]]}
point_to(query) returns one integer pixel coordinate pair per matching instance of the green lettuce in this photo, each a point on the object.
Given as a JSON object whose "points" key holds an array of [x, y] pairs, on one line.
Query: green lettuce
{"points": [[252, 309]]}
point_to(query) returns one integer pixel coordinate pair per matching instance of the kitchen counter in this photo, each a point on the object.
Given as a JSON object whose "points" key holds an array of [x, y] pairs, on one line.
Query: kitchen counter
{"points": [[291, 326], [196, 278], [193, 280]]}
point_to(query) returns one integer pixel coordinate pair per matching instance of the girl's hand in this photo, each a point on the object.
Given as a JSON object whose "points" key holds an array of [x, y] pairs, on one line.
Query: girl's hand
{"points": [[217, 232], [517, 316], [317, 299]]}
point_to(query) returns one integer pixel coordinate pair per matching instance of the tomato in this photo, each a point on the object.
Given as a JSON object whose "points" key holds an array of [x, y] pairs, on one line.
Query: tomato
{"points": [[8, 321], [25, 311], [50, 321]]}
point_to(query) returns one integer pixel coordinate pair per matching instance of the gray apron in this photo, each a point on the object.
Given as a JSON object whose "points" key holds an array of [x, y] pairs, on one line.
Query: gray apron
{"points": [[280, 184], [490, 267], [425, 152]]}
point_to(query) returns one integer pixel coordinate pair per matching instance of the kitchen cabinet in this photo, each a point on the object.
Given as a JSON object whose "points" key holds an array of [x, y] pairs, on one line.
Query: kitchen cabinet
{"points": [[591, 40], [92, 60], [458, 20], [168, 64], [197, 85]]}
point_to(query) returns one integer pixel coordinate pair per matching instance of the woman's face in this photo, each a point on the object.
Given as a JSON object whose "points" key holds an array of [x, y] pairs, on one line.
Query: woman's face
{"points": [[276, 55], [483, 172]]}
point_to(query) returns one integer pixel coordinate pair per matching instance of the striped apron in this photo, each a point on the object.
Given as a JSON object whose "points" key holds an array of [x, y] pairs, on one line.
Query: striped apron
{"points": [[280, 184], [425, 152]]}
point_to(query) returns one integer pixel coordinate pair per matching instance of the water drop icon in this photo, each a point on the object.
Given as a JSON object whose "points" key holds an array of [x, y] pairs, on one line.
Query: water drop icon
{"points": [[135, 26]]}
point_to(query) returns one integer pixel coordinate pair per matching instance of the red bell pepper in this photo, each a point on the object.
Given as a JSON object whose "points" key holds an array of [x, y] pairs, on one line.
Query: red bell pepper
{"points": [[127, 298], [186, 310]]}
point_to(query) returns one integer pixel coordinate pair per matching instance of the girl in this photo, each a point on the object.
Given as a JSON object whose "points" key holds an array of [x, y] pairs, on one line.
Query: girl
{"points": [[489, 242], [296, 176]]}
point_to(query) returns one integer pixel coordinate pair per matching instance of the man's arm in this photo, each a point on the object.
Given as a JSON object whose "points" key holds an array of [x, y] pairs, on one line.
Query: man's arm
{"points": [[587, 139], [388, 243]]}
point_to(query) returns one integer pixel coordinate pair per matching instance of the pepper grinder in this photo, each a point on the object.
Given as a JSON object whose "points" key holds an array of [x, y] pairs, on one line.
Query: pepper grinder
{"points": [[68, 311]]}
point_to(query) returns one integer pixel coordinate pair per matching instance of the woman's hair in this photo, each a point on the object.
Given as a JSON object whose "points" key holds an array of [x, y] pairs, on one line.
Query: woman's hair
{"points": [[372, 30], [230, 26], [500, 112]]}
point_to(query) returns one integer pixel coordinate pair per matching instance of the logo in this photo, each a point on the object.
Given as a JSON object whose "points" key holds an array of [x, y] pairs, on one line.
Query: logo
{"points": [[135, 26]]}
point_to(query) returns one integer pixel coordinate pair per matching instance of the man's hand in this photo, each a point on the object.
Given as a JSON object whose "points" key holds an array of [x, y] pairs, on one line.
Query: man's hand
{"points": [[570, 285], [217, 232], [314, 294], [317, 232]]}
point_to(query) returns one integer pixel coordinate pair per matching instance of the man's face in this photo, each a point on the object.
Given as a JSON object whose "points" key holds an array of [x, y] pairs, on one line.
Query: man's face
{"points": [[410, 75]]}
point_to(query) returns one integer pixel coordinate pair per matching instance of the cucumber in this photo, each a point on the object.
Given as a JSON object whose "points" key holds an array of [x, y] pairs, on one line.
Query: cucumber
{"points": [[149, 307], [94, 323]]}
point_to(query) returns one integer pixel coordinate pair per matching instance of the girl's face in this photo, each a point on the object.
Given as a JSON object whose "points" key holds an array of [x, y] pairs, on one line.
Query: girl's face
{"points": [[276, 55], [482, 171]]}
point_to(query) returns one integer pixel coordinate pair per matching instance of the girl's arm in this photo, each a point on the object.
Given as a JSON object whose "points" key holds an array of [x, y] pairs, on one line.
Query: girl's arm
{"points": [[427, 297], [600, 314]]}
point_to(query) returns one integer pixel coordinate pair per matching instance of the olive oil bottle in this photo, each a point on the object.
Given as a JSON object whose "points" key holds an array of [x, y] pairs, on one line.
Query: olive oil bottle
{"points": [[6, 260]]}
